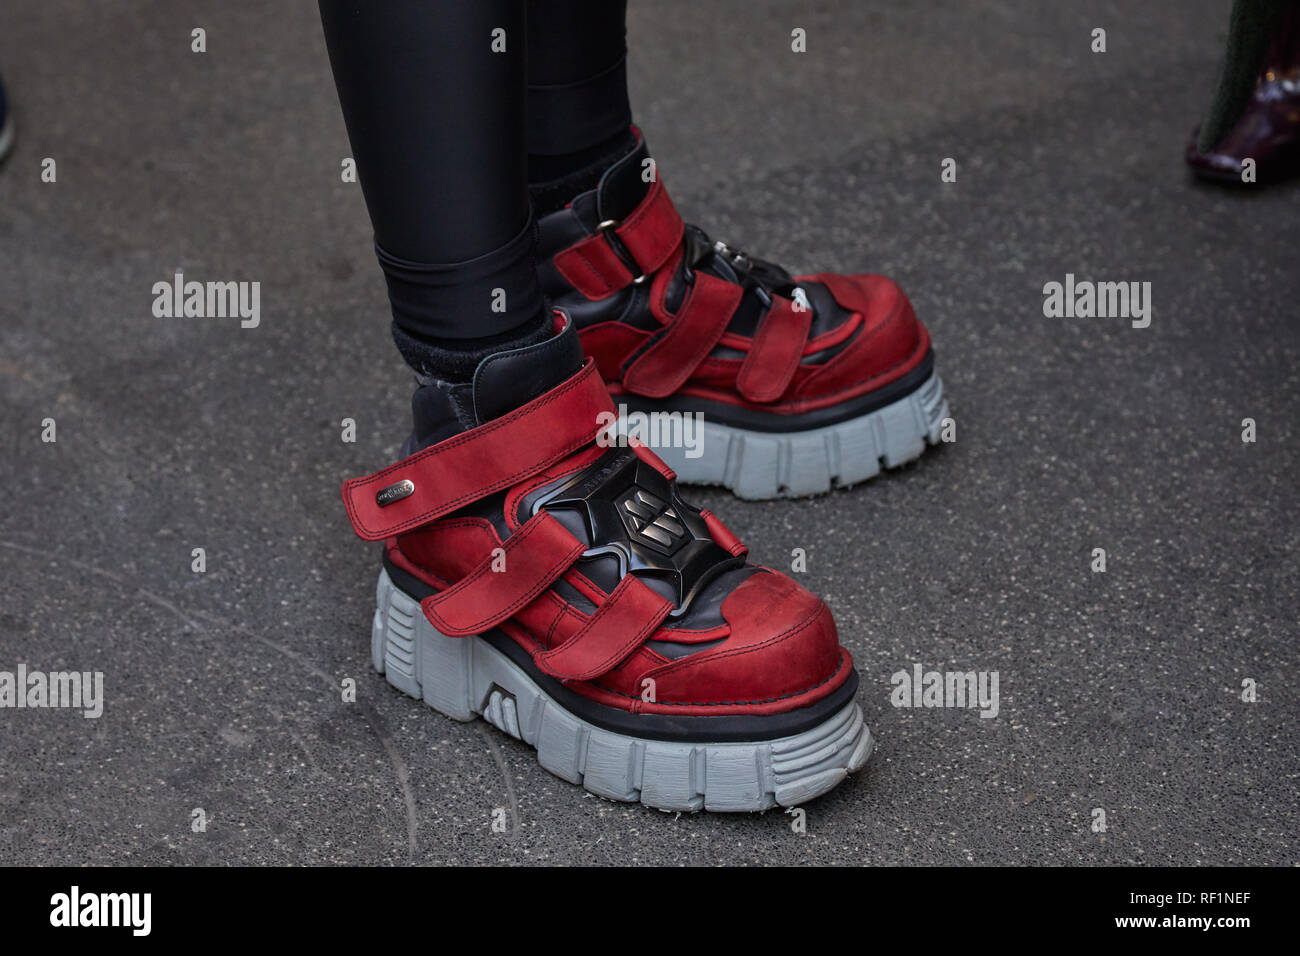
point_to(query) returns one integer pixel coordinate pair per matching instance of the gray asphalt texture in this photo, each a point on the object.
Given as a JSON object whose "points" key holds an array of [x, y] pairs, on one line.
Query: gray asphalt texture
{"points": [[1119, 690]]}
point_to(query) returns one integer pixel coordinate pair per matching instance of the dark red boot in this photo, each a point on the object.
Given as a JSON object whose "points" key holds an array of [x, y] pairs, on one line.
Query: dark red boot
{"points": [[1267, 130], [564, 591]]}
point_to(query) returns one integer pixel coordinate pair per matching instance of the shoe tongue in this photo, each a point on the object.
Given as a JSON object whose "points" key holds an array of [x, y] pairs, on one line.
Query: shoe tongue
{"points": [[624, 184], [506, 380]]}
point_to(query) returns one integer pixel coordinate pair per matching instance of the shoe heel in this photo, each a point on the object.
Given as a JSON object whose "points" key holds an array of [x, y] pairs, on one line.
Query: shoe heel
{"points": [[416, 658]]}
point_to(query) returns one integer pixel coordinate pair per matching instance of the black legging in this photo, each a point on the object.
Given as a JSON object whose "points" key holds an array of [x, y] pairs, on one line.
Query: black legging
{"points": [[442, 123]]}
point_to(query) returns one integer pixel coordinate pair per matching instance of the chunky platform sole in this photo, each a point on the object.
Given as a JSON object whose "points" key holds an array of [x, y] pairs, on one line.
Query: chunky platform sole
{"points": [[772, 464], [465, 677]]}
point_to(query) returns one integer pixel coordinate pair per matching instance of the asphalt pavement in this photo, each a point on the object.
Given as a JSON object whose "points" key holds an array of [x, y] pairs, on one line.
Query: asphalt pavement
{"points": [[1120, 691]]}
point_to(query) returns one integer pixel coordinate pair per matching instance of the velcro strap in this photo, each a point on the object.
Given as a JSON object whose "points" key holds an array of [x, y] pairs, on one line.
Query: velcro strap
{"points": [[593, 265], [723, 536], [675, 353], [774, 355], [630, 614], [530, 561], [653, 230], [505, 451]]}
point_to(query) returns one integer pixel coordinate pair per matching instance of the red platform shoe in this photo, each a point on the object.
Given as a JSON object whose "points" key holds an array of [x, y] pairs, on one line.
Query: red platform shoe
{"points": [[799, 383], [557, 585]]}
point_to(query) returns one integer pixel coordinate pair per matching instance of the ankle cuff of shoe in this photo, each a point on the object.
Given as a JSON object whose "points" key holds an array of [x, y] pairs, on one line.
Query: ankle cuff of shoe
{"points": [[455, 360]]}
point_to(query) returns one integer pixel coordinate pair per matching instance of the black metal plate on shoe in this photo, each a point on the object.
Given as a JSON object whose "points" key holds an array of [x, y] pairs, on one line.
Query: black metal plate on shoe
{"points": [[631, 511]]}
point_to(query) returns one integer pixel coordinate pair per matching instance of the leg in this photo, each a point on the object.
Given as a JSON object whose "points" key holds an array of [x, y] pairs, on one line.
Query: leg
{"points": [[435, 116]]}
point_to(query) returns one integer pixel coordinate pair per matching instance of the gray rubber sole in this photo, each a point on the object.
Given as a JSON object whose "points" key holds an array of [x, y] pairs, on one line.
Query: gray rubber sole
{"points": [[760, 465], [465, 677]]}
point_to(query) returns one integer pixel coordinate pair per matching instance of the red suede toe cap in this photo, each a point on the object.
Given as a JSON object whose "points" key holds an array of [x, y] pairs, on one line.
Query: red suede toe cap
{"points": [[783, 652], [890, 341]]}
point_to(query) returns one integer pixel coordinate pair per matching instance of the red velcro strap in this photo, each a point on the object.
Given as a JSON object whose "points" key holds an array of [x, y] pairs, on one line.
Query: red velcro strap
{"points": [[723, 536], [774, 355], [649, 235], [593, 267], [642, 451], [677, 351], [653, 230], [500, 586], [477, 463], [629, 615]]}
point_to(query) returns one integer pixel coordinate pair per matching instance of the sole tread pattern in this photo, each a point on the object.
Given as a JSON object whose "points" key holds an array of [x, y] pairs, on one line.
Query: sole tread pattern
{"points": [[467, 677], [761, 465]]}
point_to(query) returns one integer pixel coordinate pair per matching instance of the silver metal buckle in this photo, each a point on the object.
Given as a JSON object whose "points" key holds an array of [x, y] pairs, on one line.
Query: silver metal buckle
{"points": [[608, 226]]}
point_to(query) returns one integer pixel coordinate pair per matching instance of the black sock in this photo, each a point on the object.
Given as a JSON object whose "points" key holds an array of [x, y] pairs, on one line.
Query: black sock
{"points": [[555, 180], [454, 360]]}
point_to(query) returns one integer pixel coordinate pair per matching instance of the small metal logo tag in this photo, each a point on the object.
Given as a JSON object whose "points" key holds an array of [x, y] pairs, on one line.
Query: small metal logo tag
{"points": [[403, 489], [650, 519]]}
